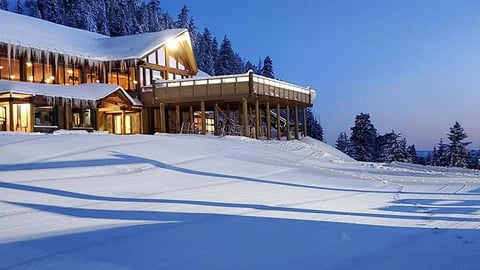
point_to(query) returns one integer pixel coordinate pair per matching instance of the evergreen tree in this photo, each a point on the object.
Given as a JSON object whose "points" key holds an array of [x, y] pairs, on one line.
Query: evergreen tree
{"points": [[457, 154], [183, 18], [52, 10], [19, 7], [363, 139], [167, 21], [412, 154], [205, 54], [259, 67], [249, 66], [439, 157], [314, 129], [32, 9], [392, 147], [153, 16], [226, 61], [342, 142], [4, 4], [267, 69]]}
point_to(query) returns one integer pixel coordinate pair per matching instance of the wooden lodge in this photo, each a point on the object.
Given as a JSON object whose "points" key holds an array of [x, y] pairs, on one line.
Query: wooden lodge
{"points": [[55, 77]]}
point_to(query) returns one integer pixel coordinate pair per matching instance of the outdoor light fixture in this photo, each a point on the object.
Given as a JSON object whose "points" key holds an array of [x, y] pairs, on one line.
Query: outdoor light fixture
{"points": [[29, 64], [172, 44], [1, 67], [12, 77], [70, 71], [135, 82], [30, 78]]}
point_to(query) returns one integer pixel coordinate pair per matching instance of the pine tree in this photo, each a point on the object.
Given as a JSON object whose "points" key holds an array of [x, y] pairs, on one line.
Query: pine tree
{"points": [[226, 61], [32, 9], [439, 157], [457, 154], [4, 4], [412, 154], [167, 21], [259, 67], [205, 53], [392, 147], [342, 142], [267, 69], [249, 66], [52, 10], [363, 139], [314, 129], [19, 7], [153, 16]]}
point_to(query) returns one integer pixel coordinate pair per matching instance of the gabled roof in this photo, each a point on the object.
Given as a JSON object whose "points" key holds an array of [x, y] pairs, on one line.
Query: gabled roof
{"points": [[86, 91], [29, 32]]}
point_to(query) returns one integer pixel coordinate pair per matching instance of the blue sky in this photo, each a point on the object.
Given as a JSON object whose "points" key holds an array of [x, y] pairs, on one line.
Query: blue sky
{"points": [[413, 65]]}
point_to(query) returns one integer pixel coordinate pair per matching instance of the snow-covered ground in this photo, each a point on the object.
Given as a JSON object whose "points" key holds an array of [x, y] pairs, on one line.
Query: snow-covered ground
{"points": [[73, 201]]}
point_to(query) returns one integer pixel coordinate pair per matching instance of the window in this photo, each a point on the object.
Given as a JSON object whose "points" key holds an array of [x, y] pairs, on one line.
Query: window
{"points": [[45, 116], [82, 118]]}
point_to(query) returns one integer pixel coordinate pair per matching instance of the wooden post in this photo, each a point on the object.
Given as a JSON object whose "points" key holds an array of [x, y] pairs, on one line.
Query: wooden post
{"points": [[10, 108], [204, 123], [245, 118], [123, 122], [287, 126], [269, 122], [177, 118], [295, 115], [305, 122], [215, 120], [163, 124], [228, 115], [279, 132], [258, 123]]}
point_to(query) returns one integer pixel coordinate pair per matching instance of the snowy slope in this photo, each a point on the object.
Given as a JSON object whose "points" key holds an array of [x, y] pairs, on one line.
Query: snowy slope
{"points": [[95, 201]]}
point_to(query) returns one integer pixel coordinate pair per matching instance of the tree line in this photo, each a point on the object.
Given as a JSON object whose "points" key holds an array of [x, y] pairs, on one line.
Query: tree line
{"points": [[365, 144]]}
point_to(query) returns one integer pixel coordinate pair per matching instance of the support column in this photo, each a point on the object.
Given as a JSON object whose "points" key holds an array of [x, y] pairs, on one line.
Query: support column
{"points": [[163, 124], [215, 120], [258, 123], [305, 122], [123, 122], [177, 118], [295, 115], [191, 127], [246, 132], [227, 120], [279, 132], [287, 126], [269, 122], [204, 123], [10, 116]]}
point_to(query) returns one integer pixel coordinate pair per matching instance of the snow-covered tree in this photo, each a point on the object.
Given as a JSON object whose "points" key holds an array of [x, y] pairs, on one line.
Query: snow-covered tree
{"points": [[153, 16], [32, 9], [167, 21], [267, 69], [342, 142], [392, 147], [183, 18], [226, 61], [363, 139], [457, 154], [19, 7], [412, 154], [205, 52], [314, 129], [439, 157], [52, 10], [4, 4]]}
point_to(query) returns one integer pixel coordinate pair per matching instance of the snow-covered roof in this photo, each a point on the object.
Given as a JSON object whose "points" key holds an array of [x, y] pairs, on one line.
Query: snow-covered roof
{"points": [[86, 91], [29, 32]]}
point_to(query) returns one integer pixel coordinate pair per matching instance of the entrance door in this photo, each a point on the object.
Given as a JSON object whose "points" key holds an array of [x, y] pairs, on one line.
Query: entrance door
{"points": [[117, 124], [3, 118]]}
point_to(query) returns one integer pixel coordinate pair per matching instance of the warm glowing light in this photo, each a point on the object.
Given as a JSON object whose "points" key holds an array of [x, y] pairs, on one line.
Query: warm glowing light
{"points": [[70, 71], [29, 64], [47, 80], [52, 78], [135, 81], [97, 81], [172, 44], [12, 77], [30, 78], [1, 67]]}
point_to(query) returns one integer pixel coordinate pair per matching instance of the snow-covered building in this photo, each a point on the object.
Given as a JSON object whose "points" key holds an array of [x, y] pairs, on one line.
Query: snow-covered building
{"points": [[58, 77]]}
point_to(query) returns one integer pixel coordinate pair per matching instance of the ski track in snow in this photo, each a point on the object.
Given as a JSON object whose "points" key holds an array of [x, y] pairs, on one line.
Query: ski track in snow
{"points": [[175, 186]]}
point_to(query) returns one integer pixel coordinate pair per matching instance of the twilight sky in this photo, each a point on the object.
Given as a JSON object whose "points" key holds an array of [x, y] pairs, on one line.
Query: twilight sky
{"points": [[413, 65]]}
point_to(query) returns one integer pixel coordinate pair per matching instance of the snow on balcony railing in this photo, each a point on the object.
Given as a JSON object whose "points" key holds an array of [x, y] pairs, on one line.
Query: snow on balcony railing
{"points": [[227, 79]]}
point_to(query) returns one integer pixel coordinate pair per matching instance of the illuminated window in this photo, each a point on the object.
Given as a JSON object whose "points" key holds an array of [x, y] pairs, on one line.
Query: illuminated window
{"points": [[82, 118], [45, 116]]}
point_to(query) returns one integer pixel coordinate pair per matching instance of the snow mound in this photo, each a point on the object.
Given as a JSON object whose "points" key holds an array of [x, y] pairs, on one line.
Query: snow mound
{"points": [[328, 151]]}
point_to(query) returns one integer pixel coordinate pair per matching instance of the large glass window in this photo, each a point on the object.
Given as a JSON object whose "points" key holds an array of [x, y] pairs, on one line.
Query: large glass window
{"points": [[72, 76], [82, 118], [161, 57], [45, 116], [3, 118], [21, 117]]}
